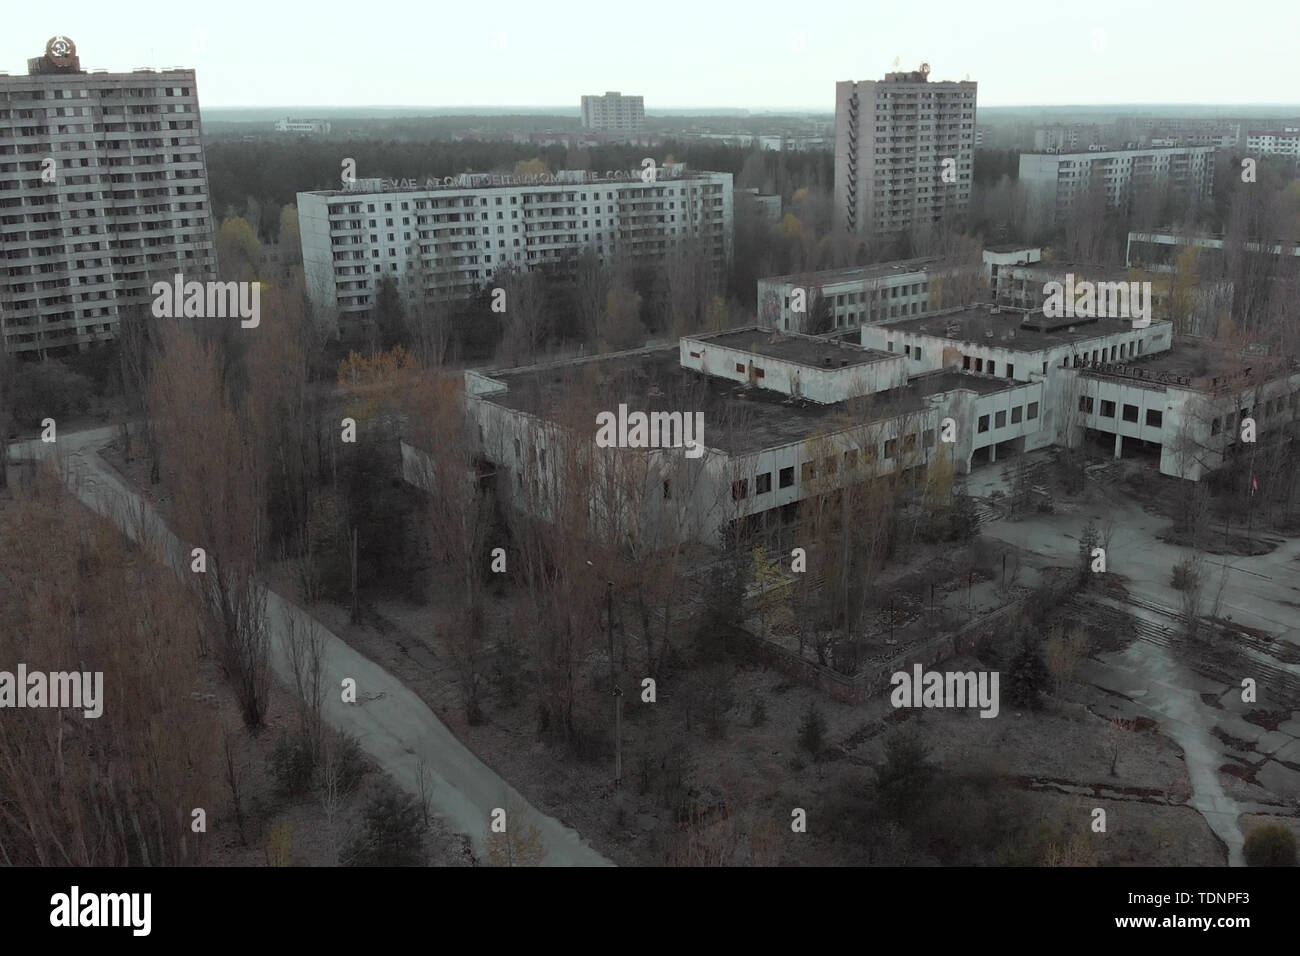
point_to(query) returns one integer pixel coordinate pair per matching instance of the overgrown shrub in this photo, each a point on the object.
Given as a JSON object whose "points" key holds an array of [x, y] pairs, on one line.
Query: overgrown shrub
{"points": [[905, 775], [812, 730], [291, 766], [1272, 844], [1185, 576], [393, 830]]}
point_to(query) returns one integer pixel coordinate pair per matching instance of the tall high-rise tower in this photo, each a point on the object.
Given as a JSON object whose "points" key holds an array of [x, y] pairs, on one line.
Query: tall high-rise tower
{"points": [[103, 191], [904, 152]]}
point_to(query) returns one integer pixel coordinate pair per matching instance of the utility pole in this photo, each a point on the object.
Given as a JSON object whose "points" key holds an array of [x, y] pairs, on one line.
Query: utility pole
{"points": [[614, 688], [356, 614]]}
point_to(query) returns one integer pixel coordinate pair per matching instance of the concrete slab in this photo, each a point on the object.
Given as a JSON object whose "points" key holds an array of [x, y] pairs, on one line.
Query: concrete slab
{"points": [[1289, 754], [1239, 727], [1272, 742], [1230, 700], [1279, 780], [1291, 726], [1248, 757]]}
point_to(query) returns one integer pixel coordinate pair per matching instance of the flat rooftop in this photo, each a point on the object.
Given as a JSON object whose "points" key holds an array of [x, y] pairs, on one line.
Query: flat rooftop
{"points": [[739, 420], [1083, 271], [979, 325], [799, 349], [1200, 364], [875, 270]]}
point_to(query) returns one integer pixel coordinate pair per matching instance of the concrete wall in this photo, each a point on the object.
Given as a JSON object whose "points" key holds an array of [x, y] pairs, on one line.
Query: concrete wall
{"points": [[823, 385], [874, 297]]}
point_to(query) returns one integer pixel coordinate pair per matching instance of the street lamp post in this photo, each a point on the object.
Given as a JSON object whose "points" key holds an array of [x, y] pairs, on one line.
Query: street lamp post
{"points": [[614, 688]]}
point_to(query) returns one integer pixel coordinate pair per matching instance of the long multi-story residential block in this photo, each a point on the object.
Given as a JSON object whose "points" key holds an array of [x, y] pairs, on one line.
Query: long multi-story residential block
{"points": [[1069, 137], [1275, 142], [103, 191], [614, 112], [1157, 251], [1055, 181], [904, 152], [449, 237]]}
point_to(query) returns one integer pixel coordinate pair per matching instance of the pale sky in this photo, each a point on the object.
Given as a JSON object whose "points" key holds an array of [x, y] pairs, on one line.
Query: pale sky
{"points": [[756, 54]]}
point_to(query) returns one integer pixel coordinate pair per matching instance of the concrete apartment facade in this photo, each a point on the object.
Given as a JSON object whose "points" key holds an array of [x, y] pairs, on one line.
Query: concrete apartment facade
{"points": [[858, 294], [450, 238], [1275, 142], [1054, 181], [103, 191], [614, 113], [891, 139]]}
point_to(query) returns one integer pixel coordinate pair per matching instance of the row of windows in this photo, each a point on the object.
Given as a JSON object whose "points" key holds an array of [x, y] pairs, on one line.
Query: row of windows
{"points": [[1155, 417], [1029, 412], [830, 465]]}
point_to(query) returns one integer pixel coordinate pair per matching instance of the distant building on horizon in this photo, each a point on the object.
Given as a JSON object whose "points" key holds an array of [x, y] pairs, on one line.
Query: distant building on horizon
{"points": [[892, 138], [1275, 142], [103, 191], [288, 125], [614, 112]]}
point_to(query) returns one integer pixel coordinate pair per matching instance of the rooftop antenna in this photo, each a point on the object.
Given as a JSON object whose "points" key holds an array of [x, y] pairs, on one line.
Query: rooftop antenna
{"points": [[896, 61]]}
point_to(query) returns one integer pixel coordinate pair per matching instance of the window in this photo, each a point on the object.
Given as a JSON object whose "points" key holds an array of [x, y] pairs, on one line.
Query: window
{"points": [[965, 362], [1130, 413], [1011, 370], [891, 346], [1155, 418], [740, 367], [758, 372], [517, 453], [1085, 404], [739, 489], [763, 484], [1000, 420], [786, 478], [1107, 409], [983, 424], [979, 365], [1033, 411], [1215, 427], [851, 459], [891, 448], [927, 438], [1017, 414], [993, 367], [907, 350], [809, 471]]}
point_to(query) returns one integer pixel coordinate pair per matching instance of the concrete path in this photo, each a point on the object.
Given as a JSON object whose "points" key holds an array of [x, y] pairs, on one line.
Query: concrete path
{"points": [[391, 723], [1260, 592]]}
